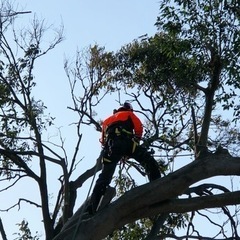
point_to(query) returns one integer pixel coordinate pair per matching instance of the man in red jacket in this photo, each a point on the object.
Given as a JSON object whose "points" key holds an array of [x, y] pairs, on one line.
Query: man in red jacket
{"points": [[121, 134]]}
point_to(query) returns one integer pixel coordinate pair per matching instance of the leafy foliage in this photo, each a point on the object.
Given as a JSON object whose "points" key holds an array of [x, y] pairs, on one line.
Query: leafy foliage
{"points": [[212, 27], [25, 233], [160, 62]]}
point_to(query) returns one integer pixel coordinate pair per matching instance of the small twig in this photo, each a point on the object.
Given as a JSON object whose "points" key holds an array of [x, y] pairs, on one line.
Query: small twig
{"points": [[18, 204], [17, 13]]}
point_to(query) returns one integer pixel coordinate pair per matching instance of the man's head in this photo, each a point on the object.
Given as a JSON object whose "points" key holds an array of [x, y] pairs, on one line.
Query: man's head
{"points": [[128, 106], [125, 107]]}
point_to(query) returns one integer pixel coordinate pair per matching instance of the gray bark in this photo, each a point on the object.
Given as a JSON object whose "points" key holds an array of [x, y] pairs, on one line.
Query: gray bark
{"points": [[158, 197]]}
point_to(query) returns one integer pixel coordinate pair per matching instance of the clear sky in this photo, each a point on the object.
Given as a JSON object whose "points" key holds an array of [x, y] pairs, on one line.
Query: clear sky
{"points": [[107, 22], [110, 23]]}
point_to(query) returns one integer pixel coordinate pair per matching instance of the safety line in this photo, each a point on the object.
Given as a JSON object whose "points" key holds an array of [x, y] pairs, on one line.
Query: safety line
{"points": [[85, 202]]}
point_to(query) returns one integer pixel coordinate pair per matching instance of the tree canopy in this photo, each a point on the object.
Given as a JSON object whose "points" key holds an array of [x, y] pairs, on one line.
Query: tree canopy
{"points": [[184, 82]]}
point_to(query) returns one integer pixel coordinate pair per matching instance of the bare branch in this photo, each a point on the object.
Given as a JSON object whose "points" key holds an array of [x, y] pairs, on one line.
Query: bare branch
{"points": [[3, 234], [19, 204]]}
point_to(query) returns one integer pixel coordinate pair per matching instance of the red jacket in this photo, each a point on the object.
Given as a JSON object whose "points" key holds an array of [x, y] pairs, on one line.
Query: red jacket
{"points": [[123, 116]]}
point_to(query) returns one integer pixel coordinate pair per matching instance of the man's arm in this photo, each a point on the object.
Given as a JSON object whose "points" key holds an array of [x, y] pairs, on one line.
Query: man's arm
{"points": [[138, 126]]}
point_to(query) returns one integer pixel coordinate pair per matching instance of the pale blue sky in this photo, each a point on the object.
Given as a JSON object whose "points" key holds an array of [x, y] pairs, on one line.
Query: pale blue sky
{"points": [[109, 23]]}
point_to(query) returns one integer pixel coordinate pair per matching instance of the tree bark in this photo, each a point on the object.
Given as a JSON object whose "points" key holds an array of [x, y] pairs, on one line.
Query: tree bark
{"points": [[158, 197]]}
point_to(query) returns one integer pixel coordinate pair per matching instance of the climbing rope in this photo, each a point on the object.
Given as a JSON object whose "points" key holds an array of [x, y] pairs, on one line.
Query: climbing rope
{"points": [[122, 162], [85, 202]]}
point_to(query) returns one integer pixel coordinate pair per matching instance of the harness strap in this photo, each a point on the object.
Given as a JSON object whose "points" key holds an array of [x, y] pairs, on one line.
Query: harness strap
{"points": [[105, 160], [127, 132], [117, 130], [134, 146]]}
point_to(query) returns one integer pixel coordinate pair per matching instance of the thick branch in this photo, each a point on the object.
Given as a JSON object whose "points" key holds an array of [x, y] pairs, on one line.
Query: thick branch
{"points": [[153, 198], [89, 173], [215, 65]]}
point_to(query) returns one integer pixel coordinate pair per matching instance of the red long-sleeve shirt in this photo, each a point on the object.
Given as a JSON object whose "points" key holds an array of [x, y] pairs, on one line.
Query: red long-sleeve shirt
{"points": [[122, 116]]}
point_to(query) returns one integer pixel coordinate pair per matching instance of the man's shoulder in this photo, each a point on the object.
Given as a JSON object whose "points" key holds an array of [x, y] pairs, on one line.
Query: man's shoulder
{"points": [[108, 119]]}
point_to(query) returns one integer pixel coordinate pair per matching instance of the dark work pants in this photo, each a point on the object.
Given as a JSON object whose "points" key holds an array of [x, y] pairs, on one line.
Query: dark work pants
{"points": [[113, 153]]}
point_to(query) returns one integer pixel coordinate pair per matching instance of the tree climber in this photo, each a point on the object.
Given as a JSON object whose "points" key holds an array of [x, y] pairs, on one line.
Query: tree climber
{"points": [[121, 133]]}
